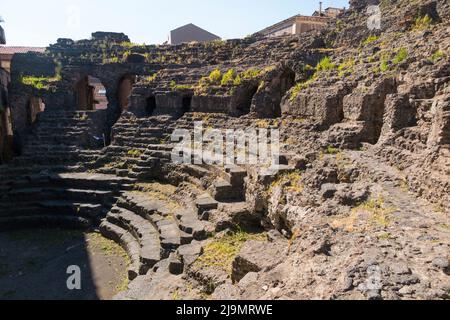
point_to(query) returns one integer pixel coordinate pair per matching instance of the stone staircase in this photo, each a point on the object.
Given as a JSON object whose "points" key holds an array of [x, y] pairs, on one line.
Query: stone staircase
{"points": [[132, 137], [60, 138], [150, 230], [72, 200]]}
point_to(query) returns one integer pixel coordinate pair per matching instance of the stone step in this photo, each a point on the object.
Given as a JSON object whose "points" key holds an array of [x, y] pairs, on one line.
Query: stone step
{"points": [[128, 243], [157, 211], [159, 154], [43, 221], [189, 223], [30, 194], [196, 171], [70, 180], [49, 159], [205, 203], [223, 191], [55, 207], [143, 231], [8, 171]]}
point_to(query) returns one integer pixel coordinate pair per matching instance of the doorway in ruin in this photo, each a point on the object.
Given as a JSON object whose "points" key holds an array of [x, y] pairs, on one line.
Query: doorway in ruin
{"points": [[124, 91], [186, 104], [282, 85], [150, 106], [34, 107], [245, 100], [90, 94]]}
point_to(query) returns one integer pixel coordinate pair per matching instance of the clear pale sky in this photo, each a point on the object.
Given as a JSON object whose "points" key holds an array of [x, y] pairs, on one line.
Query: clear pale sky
{"points": [[41, 22]]}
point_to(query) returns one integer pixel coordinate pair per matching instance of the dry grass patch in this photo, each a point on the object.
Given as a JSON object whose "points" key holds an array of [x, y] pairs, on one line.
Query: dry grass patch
{"points": [[372, 214], [221, 252]]}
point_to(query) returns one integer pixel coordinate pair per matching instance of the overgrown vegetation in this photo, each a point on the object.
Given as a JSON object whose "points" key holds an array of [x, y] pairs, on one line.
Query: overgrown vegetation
{"points": [[179, 87], [437, 56], [422, 23], [370, 40], [221, 252], [324, 65], [40, 82], [346, 67], [384, 65], [290, 180], [231, 78], [151, 78], [370, 214], [228, 77], [135, 153], [401, 56], [332, 151]]}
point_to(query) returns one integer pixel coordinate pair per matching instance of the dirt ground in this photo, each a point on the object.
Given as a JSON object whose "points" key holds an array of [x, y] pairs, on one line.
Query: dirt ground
{"points": [[34, 263]]}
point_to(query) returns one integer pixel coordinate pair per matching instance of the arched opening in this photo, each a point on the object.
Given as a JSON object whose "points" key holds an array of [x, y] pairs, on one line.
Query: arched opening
{"points": [[245, 101], [286, 82], [35, 106], [90, 94], [186, 104], [124, 90], [150, 106]]}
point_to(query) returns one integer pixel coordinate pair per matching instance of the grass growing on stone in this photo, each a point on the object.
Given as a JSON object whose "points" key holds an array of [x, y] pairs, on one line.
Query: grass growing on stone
{"points": [[291, 181], [332, 150], [228, 77], [179, 87], [40, 82], [369, 40], [384, 66], [438, 55], [221, 252], [346, 67], [134, 153], [422, 23], [401, 56], [322, 66], [368, 215]]}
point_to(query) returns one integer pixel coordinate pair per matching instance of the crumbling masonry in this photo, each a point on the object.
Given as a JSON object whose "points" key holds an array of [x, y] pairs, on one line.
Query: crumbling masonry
{"points": [[364, 177]]}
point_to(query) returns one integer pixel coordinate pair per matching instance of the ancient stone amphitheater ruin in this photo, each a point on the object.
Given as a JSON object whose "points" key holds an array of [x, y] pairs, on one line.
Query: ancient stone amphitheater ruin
{"points": [[358, 210]]}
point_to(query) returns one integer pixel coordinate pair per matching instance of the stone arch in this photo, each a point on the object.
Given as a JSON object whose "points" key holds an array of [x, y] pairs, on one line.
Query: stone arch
{"points": [[282, 85], [245, 99], [268, 100], [124, 88], [90, 94]]}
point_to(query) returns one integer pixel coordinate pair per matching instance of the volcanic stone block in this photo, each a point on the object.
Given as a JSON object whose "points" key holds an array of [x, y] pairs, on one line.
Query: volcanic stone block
{"points": [[257, 256]]}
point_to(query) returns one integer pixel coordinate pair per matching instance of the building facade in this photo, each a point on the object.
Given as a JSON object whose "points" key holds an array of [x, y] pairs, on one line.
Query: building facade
{"points": [[299, 24], [295, 25], [190, 33]]}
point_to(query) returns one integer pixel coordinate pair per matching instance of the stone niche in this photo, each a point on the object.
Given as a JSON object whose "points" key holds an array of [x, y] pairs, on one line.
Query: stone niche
{"points": [[366, 105], [267, 100]]}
